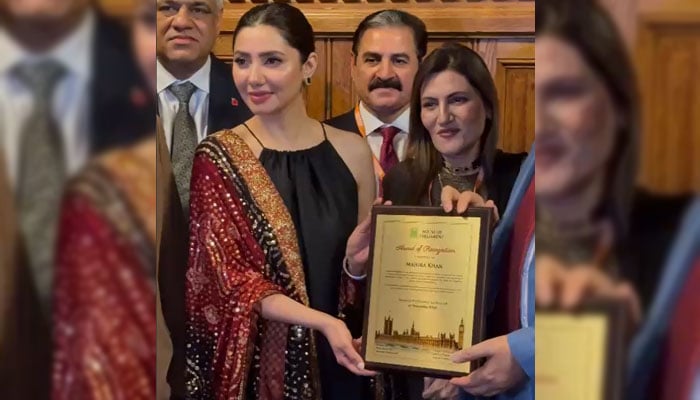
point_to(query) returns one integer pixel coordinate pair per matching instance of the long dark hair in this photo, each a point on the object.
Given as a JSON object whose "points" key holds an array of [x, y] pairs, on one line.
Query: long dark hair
{"points": [[585, 25], [424, 159], [289, 21]]}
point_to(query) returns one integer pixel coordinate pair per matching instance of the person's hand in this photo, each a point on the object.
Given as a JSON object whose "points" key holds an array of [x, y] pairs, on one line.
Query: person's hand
{"points": [[357, 249], [439, 389], [571, 286], [501, 371], [452, 199], [343, 346]]}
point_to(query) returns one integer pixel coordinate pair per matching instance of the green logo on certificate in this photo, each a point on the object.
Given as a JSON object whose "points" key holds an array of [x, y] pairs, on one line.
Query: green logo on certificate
{"points": [[414, 233]]}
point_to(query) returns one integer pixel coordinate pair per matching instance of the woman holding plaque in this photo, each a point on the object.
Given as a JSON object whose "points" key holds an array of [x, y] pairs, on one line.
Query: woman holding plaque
{"points": [[452, 157], [273, 202]]}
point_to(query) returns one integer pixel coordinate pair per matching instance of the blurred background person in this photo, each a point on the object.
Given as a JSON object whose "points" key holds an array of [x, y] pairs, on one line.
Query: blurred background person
{"points": [[599, 236], [70, 89], [592, 221], [104, 287], [196, 97]]}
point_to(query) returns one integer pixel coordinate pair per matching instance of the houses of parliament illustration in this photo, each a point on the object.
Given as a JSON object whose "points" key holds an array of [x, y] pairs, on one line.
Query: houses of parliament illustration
{"points": [[442, 340]]}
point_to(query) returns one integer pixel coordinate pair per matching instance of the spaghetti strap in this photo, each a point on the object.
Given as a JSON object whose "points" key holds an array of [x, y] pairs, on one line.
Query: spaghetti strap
{"points": [[256, 138], [325, 137]]}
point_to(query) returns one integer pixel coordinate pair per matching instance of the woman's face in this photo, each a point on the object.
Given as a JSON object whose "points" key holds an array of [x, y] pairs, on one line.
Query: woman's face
{"points": [[575, 120], [453, 112], [268, 72], [144, 40]]}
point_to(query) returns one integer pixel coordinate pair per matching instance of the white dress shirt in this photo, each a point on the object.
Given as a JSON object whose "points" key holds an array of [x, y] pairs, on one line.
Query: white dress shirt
{"points": [[374, 137], [71, 97], [199, 102]]}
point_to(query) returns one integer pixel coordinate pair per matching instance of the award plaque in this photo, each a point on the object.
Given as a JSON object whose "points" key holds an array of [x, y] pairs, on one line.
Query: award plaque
{"points": [[426, 286], [579, 355]]}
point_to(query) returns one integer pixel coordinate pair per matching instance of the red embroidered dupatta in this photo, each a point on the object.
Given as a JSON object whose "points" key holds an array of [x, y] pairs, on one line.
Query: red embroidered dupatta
{"points": [[243, 247], [104, 289]]}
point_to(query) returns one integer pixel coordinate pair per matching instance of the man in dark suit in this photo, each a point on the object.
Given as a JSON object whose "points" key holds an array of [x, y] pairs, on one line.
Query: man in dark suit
{"points": [[386, 50], [70, 89], [196, 97]]}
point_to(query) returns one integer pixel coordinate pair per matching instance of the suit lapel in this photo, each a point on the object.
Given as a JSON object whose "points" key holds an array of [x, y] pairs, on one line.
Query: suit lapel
{"points": [[167, 195], [217, 99], [226, 108], [121, 109]]}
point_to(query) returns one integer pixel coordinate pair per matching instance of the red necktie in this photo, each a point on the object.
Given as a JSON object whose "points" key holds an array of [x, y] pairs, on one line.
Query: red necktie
{"points": [[387, 155]]}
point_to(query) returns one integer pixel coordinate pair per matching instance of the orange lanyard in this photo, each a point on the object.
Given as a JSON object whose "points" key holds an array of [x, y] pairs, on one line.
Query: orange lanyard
{"points": [[378, 170]]}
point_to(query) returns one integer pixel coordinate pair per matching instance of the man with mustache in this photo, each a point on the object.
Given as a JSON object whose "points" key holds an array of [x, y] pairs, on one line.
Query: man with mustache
{"points": [[387, 48], [196, 97]]}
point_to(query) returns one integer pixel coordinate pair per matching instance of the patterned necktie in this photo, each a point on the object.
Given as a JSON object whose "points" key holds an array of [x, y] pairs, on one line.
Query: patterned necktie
{"points": [[387, 156], [42, 173], [184, 142]]}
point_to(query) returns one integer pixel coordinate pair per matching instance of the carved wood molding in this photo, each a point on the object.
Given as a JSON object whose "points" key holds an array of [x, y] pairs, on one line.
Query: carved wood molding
{"points": [[473, 19]]}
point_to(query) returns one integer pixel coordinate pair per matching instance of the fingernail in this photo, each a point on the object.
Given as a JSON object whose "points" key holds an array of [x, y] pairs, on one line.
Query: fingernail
{"points": [[361, 365]]}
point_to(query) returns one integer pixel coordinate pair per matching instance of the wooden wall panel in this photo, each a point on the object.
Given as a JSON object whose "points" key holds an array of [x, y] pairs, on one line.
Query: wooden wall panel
{"points": [[316, 93], [663, 36], [516, 82], [342, 93], [670, 161], [501, 31]]}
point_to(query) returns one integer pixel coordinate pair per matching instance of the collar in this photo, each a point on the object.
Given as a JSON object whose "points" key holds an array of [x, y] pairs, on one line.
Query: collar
{"points": [[199, 78], [372, 123], [74, 52]]}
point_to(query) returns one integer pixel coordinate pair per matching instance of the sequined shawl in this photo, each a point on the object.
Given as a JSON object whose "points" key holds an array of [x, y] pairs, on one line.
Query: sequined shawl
{"points": [[243, 247], [104, 289]]}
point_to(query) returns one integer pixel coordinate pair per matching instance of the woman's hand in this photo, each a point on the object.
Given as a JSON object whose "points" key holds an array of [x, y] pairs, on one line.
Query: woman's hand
{"points": [[569, 287], [452, 199], [357, 249], [343, 346]]}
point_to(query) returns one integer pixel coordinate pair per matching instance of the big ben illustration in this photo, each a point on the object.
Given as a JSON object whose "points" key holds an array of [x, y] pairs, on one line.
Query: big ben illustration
{"points": [[461, 334]]}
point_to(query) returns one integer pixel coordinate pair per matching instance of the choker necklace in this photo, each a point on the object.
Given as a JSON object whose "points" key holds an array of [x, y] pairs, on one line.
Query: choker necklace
{"points": [[472, 169]]}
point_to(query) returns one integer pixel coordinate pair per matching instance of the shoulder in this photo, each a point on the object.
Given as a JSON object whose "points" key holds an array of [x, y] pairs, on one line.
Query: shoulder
{"points": [[344, 121], [123, 171], [659, 213], [349, 143], [109, 31], [218, 66], [508, 162]]}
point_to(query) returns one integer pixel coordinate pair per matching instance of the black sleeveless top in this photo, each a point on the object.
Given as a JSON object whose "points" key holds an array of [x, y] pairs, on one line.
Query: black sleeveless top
{"points": [[320, 194]]}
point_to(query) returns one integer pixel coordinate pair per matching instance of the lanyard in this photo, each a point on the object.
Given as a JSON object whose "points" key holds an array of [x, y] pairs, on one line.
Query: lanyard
{"points": [[378, 170]]}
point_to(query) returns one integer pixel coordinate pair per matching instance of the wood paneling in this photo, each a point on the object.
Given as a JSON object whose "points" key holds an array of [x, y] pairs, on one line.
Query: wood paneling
{"points": [[668, 54], [501, 31], [501, 17]]}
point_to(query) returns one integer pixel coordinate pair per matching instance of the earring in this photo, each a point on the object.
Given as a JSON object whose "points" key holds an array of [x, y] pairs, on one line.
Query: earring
{"points": [[307, 81]]}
